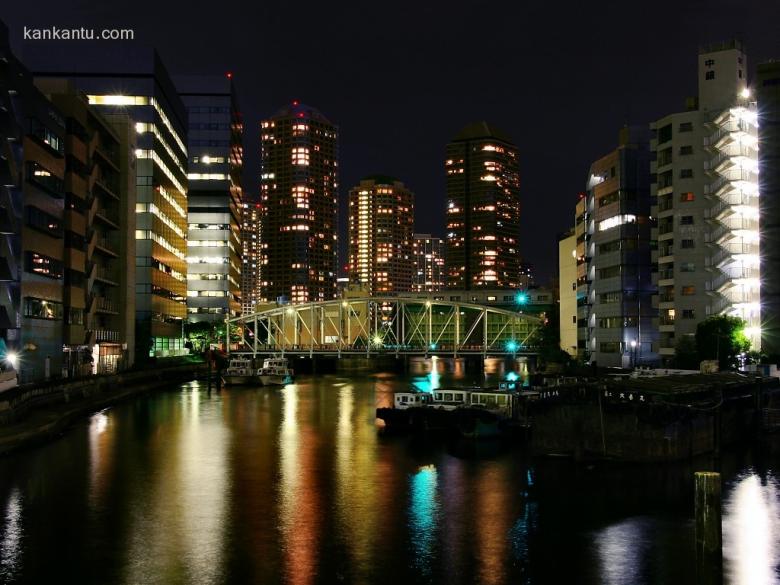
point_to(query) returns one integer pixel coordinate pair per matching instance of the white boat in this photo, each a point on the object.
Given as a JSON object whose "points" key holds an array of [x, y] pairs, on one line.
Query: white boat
{"points": [[240, 371], [275, 372], [404, 400]]}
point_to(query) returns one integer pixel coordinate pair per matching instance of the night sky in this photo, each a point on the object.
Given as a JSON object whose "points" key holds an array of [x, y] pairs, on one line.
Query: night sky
{"points": [[401, 78]]}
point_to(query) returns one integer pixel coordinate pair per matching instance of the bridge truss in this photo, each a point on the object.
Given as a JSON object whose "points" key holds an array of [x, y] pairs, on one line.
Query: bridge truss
{"points": [[385, 325]]}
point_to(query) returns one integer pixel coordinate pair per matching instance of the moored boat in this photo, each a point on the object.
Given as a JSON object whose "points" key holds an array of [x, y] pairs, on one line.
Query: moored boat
{"points": [[239, 372], [275, 372]]}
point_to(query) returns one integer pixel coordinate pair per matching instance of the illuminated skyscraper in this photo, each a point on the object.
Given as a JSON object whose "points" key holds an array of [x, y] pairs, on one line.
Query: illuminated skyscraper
{"points": [[381, 225], [483, 210], [299, 205], [428, 255], [215, 198], [250, 257]]}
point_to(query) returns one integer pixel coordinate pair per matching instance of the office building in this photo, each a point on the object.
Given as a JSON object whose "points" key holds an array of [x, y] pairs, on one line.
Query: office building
{"points": [[132, 80], [705, 165], [483, 210], [215, 197], [767, 93], [381, 227], [299, 205], [617, 288], [428, 263]]}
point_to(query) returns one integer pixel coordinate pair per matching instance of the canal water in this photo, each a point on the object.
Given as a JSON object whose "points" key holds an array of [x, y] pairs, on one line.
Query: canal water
{"points": [[298, 486]]}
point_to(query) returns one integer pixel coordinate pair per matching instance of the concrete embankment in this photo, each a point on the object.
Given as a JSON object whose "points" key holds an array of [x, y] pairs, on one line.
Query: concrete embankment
{"points": [[35, 413]]}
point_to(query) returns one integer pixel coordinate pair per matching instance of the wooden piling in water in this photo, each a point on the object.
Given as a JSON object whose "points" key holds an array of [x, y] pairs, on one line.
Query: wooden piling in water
{"points": [[709, 555]]}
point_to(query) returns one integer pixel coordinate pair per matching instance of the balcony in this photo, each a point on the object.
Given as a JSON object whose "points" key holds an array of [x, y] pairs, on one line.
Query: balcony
{"points": [[106, 335]]}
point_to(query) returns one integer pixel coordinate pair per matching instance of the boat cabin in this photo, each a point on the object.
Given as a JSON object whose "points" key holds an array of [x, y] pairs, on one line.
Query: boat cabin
{"points": [[404, 400], [491, 400], [450, 399]]}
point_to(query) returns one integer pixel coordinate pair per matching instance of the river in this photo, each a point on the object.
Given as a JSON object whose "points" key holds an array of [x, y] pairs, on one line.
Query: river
{"points": [[297, 486]]}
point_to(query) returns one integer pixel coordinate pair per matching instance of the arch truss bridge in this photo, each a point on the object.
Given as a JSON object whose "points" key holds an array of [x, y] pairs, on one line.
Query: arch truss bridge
{"points": [[384, 325]]}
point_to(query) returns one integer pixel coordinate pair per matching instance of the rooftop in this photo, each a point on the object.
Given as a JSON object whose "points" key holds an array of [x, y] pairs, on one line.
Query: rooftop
{"points": [[482, 130]]}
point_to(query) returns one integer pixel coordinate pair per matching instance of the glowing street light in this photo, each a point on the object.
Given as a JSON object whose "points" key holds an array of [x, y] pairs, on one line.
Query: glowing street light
{"points": [[512, 346], [377, 340], [12, 358], [521, 298]]}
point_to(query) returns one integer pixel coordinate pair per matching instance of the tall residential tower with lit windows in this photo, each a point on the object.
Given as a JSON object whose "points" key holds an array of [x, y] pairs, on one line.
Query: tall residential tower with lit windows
{"points": [[483, 210], [132, 80], [215, 200], [299, 205], [428, 256], [705, 166], [381, 226]]}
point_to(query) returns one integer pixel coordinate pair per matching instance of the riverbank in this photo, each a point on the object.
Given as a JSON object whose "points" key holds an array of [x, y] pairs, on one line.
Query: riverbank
{"points": [[37, 413]]}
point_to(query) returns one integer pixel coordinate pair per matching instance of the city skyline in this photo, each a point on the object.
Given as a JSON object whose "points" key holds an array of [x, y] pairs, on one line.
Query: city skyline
{"points": [[544, 77]]}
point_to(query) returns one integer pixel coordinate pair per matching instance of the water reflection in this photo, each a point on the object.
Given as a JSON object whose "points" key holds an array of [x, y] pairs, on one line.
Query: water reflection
{"points": [[423, 512], [298, 493], [11, 536], [622, 550], [751, 531]]}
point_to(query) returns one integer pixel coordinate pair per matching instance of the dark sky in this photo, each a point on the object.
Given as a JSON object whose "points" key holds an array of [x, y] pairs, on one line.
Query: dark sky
{"points": [[401, 78]]}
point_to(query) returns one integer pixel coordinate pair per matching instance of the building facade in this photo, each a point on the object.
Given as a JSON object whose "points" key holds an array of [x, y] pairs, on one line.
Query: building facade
{"points": [[214, 199], [251, 257], [618, 289], [299, 205], [706, 196], [99, 217], [767, 88], [483, 210], [133, 81], [381, 229], [567, 281], [428, 263]]}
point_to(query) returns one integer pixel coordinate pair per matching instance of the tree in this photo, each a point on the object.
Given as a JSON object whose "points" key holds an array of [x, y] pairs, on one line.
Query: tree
{"points": [[722, 338], [686, 355]]}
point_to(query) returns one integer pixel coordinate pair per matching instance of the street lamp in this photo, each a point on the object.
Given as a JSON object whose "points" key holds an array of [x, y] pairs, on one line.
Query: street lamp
{"points": [[633, 353]]}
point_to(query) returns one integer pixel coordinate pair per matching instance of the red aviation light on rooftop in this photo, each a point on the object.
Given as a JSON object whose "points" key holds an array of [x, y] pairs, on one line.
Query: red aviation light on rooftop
{"points": [[229, 75], [301, 114], [296, 102]]}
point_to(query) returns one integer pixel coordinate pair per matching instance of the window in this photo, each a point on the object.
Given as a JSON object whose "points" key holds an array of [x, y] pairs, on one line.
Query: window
{"points": [[686, 220], [74, 316], [610, 272], [686, 173], [688, 244], [709, 75], [42, 309], [687, 196], [607, 247], [45, 179], [46, 136], [611, 297], [491, 298], [686, 150], [665, 134], [42, 221], [686, 127], [688, 314], [688, 291], [609, 347], [43, 265], [574, 319], [687, 267]]}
